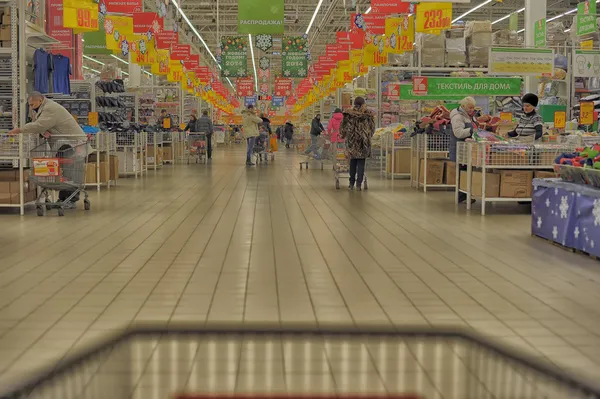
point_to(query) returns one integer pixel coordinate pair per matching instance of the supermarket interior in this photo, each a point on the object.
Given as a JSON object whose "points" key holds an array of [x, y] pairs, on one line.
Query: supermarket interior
{"points": [[183, 210]]}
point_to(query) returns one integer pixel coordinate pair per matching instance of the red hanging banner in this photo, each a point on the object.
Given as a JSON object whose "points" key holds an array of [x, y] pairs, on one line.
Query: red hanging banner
{"points": [[245, 87], [122, 6], [283, 87], [375, 23], [192, 62], [144, 22], [165, 39], [180, 52], [389, 7]]}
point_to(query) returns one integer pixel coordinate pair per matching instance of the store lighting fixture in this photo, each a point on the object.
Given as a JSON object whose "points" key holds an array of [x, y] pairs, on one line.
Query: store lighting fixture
{"points": [[253, 62], [148, 73], [312, 20], [87, 57], [368, 10], [124, 73], [120, 59], [91, 69], [508, 16], [477, 7], [186, 19]]}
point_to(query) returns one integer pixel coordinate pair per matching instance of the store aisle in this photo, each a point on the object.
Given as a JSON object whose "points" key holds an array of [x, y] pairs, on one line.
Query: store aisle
{"points": [[276, 244]]}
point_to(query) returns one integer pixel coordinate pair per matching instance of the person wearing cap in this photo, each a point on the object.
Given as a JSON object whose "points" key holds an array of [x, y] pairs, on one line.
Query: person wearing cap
{"points": [[531, 123]]}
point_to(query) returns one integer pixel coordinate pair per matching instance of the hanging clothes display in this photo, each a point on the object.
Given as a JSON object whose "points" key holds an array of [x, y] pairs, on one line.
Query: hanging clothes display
{"points": [[61, 74], [42, 67]]}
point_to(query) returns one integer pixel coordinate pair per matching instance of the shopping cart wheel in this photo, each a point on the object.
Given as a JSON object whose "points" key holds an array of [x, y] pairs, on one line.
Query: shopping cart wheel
{"points": [[48, 207], [61, 212], [337, 184], [86, 205], [40, 210]]}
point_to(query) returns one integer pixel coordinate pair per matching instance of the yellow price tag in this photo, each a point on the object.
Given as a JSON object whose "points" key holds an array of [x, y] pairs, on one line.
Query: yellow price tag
{"points": [[560, 119], [167, 123], [434, 17], [506, 117], [82, 19], [587, 45], [182, 126], [93, 119], [586, 113]]}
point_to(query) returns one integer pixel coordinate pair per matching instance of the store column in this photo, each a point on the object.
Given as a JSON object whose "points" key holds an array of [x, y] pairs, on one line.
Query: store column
{"points": [[534, 11]]}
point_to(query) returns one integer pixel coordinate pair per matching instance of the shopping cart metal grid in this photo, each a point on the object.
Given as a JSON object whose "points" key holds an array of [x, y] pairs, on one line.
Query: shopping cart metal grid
{"points": [[145, 361]]}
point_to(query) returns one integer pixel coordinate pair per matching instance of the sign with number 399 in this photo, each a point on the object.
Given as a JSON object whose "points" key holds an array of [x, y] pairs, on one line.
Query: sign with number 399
{"points": [[434, 17]]}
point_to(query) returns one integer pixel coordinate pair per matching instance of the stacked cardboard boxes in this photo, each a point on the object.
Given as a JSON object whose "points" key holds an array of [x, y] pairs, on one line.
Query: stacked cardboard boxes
{"points": [[103, 163], [456, 48], [10, 187], [479, 40], [401, 161], [154, 158], [5, 28], [433, 50]]}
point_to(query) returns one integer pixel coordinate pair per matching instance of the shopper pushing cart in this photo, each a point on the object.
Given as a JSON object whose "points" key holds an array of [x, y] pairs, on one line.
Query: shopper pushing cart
{"points": [[64, 136], [358, 127]]}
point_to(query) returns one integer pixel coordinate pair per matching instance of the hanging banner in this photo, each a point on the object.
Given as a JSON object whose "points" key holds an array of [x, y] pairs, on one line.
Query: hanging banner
{"points": [[55, 28], [375, 23], [434, 17], [250, 101], [283, 87], [586, 63], [175, 72], [294, 63], [513, 22], [443, 87], [261, 16], [400, 34], [142, 50], [165, 39], [192, 62], [122, 6], [180, 52], [245, 87], [390, 7], [585, 22], [539, 33], [277, 101], [117, 29], [234, 56], [521, 61], [161, 63], [83, 19], [144, 22]]}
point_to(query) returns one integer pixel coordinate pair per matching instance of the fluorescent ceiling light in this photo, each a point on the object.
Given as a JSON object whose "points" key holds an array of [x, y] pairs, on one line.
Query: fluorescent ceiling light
{"points": [[120, 59], [87, 57], [477, 7], [368, 10], [312, 20], [253, 62], [196, 31], [124, 73], [91, 69], [148, 73], [508, 16]]}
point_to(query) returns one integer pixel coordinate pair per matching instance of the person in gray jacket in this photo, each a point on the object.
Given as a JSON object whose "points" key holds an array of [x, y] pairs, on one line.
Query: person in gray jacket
{"points": [[463, 123], [205, 125], [54, 122]]}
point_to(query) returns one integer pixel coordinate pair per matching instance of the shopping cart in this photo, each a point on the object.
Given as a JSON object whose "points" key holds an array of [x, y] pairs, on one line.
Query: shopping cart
{"points": [[341, 164], [59, 165], [186, 362], [261, 149], [319, 152], [197, 146]]}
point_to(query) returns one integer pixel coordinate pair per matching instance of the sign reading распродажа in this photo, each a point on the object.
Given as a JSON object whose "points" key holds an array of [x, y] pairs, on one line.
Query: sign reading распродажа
{"points": [[260, 16]]}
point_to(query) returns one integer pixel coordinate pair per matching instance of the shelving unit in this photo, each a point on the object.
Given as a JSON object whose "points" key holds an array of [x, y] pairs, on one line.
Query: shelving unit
{"points": [[100, 156]]}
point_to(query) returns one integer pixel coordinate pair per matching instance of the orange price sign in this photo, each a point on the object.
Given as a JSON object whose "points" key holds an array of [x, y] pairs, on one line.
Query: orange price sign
{"points": [[586, 113], [93, 118], [434, 17], [560, 119], [80, 19], [506, 117]]}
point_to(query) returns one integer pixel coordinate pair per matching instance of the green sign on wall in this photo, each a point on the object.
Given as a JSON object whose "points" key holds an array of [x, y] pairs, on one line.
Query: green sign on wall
{"points": [[260, 16], [540, 33], [234, 56], [586, 18], [406, 93], [439, 87]]}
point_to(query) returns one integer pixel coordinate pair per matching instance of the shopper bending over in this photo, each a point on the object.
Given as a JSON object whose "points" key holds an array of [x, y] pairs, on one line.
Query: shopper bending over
{"points": [[463, 123], [316, 128], [358, 127], [251, 132], [333, 127], [205, 125], [50, 119], [531, 125]]}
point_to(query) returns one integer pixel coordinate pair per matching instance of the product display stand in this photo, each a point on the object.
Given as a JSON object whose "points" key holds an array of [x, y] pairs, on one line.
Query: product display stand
{"points": [[130, 153], [480, 160], [168, 156], [428, 150], [99, 161], [154, 150], [390, 157]]}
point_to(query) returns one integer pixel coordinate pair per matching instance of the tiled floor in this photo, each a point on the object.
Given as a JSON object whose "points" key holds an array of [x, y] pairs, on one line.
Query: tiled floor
{"points": [[276, 244]]}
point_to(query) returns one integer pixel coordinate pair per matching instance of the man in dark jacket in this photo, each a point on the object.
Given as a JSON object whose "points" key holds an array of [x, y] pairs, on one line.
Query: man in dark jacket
{"points": [[205, 125], [288, 133], [316, 127]]}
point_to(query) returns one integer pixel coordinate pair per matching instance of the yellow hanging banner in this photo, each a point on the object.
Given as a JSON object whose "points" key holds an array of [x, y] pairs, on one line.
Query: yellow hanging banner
{"points": [[433, 17], [175, 72], [142, 50], [161, 63], [400, 34], [118, 29], [81, 19]]}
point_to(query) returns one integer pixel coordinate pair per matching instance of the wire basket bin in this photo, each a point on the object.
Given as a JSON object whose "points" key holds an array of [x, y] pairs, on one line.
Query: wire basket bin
{"points": [[59, 166], [193, 363], [511, 155]]}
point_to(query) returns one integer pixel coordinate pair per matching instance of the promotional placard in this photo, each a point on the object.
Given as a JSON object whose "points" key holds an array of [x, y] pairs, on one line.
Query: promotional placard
{"points": [[444, 87], [586, 113], [261, 16], [540, 33], [521, 61], [586, 63], [560, 119]]}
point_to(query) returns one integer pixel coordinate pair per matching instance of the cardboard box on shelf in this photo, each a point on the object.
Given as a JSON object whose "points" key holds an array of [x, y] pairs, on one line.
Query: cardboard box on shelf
{"points": [[114, 167], [168, 153], [543, 174], [401, 161], [492, 183], [432, 57], [6, 19], [93, 157], [516, 183], [435, 171], [14, 187], [450, 172], [13, 174], [5, 33], [15, 198], [90, 173], [548, 158], [152, 157]]}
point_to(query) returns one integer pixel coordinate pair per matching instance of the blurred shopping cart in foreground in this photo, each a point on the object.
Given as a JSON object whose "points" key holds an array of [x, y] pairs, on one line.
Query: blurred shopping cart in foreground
{"points": [[147, 362]]}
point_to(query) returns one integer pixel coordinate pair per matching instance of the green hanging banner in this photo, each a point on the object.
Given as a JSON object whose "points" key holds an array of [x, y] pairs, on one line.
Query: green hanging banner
{"points": [[260, 16], [513, 22], [234, 56], [294, 62], [540, 33], [95, 42], [586, 18]]}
